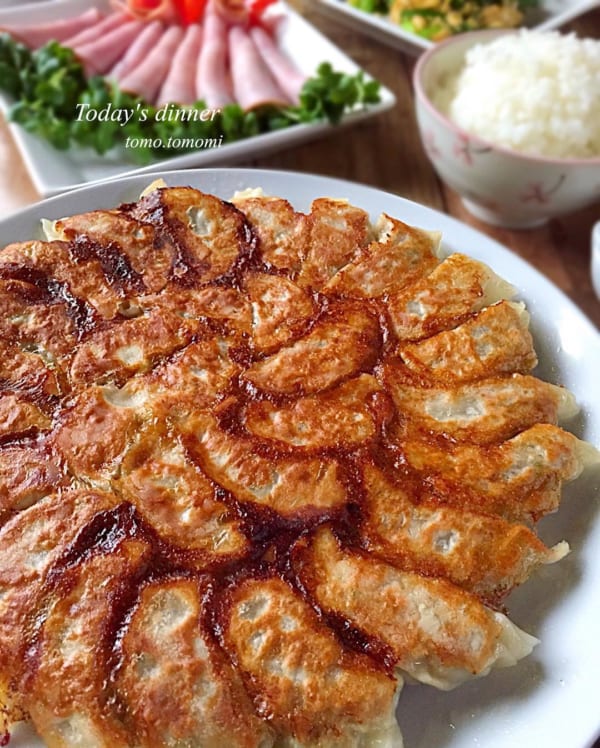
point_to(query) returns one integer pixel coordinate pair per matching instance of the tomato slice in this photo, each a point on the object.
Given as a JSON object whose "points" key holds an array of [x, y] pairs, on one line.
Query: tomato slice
{"points": [[190, 11], [144, 4], [257, 8]]}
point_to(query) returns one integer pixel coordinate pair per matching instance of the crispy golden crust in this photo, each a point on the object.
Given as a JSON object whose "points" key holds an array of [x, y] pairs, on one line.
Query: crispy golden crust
{"points": [[400, 255], [280, 309], [52, 265], [484, 554], [338, 346], [208, 235], [415, 616], [285, 484], [27, 473], [302, 679], [27, 320], [18, 415], [133, 346], [24, 370], [174, 496], [519, 479], [192, 379], [93, 433], [342, 416], [65, 691], [494, 341], [337, 233], [176, 682], [454, 289], [282, 233], [482, 412], [130, 248], [255, 464], [29, 544]]}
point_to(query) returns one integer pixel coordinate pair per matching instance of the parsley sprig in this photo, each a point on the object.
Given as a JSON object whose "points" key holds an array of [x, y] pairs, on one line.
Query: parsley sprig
{"points": [[48, 84]]}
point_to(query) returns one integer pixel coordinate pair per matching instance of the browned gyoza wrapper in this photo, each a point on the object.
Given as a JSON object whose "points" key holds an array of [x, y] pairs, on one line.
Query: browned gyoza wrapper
{"points": [[256, 467]]}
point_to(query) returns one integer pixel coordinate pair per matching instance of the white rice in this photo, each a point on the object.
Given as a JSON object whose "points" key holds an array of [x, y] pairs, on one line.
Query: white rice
{"points": [[537, 92]]}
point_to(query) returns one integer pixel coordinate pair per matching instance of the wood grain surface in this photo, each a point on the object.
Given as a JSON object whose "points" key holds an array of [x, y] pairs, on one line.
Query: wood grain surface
{"points": [[386, 152]]}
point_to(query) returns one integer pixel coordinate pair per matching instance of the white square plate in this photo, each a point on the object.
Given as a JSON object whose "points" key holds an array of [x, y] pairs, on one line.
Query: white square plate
{"points": [[55, 171], [550, 14]]}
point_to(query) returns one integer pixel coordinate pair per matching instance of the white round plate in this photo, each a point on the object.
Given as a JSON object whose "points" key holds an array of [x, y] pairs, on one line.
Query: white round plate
{"points": [[551, 698]]}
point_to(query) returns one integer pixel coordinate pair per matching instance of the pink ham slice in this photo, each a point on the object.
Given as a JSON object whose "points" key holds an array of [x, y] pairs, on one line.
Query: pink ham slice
{"points": [[253, 84], [213, 83], [101, 54], [180, 83], [273, 21], [36, 35], [147, 77], [138, 51], [287, 75], [97, 29]]}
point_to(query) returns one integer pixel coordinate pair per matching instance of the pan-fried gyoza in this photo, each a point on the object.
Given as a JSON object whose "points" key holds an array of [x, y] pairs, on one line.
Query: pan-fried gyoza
{"points": [[257, 467]]}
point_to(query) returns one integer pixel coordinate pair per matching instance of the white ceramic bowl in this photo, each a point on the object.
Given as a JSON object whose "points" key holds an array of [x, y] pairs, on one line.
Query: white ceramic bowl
{"points": [[499, 185]]}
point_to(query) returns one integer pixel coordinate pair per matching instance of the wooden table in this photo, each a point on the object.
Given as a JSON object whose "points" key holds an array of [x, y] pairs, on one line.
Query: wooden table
{"points": [[386, 152]]}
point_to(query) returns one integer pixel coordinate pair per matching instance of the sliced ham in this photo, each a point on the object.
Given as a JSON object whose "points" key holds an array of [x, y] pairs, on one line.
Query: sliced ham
{"points": [[97, 29], [180, 84], [147, 77], [142, 45], [101, 54], [273, 22], [287, 75], [36, 35], [213, 82], [253, 84]]}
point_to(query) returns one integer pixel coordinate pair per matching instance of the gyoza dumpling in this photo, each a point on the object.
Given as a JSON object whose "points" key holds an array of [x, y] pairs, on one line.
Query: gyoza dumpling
{"points": [[338, 346], [455, 289], [400, 255], [494, 341], [481, 553], [175, 682], [315, 692], [30, 543], [482, 412], [437, 633], [289, 486], [63, 684], [520, 479], [341, 416]]}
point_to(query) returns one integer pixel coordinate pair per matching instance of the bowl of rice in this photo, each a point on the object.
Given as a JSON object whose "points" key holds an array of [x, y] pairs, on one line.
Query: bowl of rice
{"points": [[511, 121]]}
